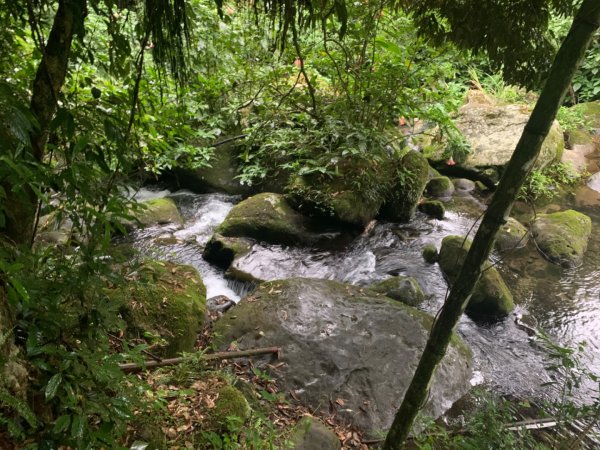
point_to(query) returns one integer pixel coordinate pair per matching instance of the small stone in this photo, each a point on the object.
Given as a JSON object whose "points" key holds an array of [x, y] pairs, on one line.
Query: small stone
{"points": [[433, 208], [439, 187], [430, 253], [512, 235], [312, 434]]}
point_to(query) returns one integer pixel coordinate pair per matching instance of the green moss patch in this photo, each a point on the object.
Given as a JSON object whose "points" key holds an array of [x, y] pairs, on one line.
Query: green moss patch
{"points": [[163, 304], [562, 237]]}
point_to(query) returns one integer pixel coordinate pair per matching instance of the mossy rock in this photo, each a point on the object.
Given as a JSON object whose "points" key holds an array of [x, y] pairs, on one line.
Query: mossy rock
{"points": [[491, 297], [580, 137], [231, 405], [590, 112], [439, 187], [158, 211], [433, 208], [167, 301], [404, 289], [512, 235], [332, 199], [266, 217], [312, 434], [430, 253], [408, 189], [562, 237], [221, 250]]}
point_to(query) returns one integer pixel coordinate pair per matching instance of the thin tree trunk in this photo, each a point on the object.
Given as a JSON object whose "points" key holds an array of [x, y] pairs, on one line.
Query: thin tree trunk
{"points": [[567, 60], [52, 70], [49, 80]]}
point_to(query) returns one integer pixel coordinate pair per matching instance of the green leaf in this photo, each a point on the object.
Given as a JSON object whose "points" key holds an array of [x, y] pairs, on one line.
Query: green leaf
{"points": [[62, 424], [53, 385]]}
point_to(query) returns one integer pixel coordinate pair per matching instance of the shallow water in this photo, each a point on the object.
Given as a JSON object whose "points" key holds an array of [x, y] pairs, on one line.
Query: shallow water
{"points": [[563, 303]]}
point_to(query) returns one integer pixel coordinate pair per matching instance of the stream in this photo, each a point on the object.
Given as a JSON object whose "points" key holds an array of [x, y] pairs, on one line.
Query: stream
{"points": [[564, 303]]}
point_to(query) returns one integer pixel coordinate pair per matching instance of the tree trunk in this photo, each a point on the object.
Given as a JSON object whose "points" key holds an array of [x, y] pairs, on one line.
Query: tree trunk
{"points": [[568, 58], [52, 70], [49, 80]]}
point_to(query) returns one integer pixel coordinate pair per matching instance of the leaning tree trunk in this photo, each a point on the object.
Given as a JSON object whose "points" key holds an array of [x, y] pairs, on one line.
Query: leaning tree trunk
{"points": [[49, 80], [568, 58]]}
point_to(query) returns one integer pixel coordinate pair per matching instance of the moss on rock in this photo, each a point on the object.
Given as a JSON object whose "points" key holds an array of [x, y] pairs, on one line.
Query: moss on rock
{"points": [[266, 217], [439, 187], [158, 211], [221, 250], [231, 407], [491, 297], [510, 236], [312, 434], [410, 182], [562, 237], [433, 208], [166, 302], [430, 253], [404, 289]]}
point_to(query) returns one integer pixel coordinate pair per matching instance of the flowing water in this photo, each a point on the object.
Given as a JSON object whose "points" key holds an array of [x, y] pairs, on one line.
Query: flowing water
{"points": [[563, 303]]}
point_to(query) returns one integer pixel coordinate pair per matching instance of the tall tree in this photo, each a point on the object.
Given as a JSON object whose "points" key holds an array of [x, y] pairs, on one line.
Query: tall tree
{"points": [[570, 55]]}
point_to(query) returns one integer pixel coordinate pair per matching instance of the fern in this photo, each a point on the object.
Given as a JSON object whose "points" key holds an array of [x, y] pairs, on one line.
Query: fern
{"points": [[8, 400]]}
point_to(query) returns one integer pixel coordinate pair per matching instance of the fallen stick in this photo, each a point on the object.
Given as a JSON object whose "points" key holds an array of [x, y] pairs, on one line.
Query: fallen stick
{"points": [[151, 364]]}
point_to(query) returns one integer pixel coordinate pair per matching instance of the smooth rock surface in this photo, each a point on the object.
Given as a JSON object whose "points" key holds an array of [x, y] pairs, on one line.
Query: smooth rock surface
{"points": [[512, 235], [562, 237], [491, 297], [343, 342]]}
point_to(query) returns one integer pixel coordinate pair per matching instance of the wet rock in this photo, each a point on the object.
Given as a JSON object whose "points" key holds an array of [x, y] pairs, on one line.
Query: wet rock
{"points": [[439, 187], [165, 301], [406, 193], [222, 251], [491, 297], [312, 434], [430, 253], [433, 208], [404, 289], [562, 237], [512, 235], [266, 217], [343, 342], [158, 211]]}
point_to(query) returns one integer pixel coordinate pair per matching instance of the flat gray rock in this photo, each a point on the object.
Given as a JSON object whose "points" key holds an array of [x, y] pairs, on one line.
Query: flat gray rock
{"points": [[344, 347]]}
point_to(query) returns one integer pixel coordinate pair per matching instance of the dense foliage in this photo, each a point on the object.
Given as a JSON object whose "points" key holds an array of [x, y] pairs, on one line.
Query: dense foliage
{"points": [[296, 99]]}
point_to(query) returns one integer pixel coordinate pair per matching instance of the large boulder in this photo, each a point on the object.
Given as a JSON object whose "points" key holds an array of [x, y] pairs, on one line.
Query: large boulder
{"points": [[404, 289], [491, 297], [316, 195], [562, 237], [221, 173], [344, 346], [266, 217], [410, 182], [164, 303], [492, 131]]}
